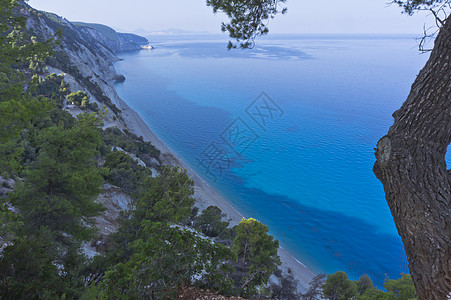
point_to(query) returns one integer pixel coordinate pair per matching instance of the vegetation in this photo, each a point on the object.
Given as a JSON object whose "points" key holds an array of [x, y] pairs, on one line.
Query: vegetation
{"points": [[17, 107], [60, 186], [286, 288], [114, 137], [210, 223], [248, 19], [257, 254], [52, 86], [339, 286], [78, 98]]}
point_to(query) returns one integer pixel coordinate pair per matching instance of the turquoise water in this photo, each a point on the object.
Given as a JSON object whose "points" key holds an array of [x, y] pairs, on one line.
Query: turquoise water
{"points": [[304, 165]]}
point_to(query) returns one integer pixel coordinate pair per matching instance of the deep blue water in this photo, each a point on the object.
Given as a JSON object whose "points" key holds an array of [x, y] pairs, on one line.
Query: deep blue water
{"points": [[304, 165]]}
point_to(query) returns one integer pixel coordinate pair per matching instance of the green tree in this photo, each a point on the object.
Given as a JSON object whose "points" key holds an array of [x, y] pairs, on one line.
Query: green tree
{"points": [[123, 171], [167, 197], [210, 222], [27, 270], [373, 294], [35, 267], [402, 288], [257, 250], [165, 258], [248, 19], [286, 289], [53, 86], [364, 283], [339, 287], [10, 222], [314, 291], [61, 185], [17, 107], [78, 98]]}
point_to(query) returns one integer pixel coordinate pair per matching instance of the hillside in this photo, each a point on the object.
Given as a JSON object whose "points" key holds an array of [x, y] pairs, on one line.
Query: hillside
{"points": [[78, 32], [117, 41]]}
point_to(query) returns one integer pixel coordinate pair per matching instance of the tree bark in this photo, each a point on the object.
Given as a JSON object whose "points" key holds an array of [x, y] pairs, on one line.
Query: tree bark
{"points": [[411, 166]]}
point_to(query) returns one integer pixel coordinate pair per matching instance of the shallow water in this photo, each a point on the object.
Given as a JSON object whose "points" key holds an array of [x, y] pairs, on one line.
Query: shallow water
{"points": [[299, 157]]}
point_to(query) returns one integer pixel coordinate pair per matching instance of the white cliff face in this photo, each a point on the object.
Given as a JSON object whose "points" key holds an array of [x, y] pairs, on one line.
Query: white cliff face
{"points": [[85, 49], [115, 201]]}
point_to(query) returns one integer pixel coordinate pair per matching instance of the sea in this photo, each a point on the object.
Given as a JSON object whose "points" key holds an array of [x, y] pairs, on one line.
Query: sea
{"points": [[286, 132]]}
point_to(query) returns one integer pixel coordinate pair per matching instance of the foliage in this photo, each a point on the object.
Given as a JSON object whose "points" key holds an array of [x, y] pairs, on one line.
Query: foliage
{"points": [[339, 287], [17, 107], [61, 185], [123, 171], [410, 6], [114, 137], [35, 267], [210, 223], [314, 292], [27, 270], [151, 258], [78, 98], [53, 86], [247, 18], [287, 287], [402, 288], [9, 221], [167, 197], [364, 283], [257, 251], [164, 259]]}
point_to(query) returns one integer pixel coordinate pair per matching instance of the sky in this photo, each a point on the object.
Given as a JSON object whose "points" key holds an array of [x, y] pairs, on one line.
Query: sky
{"points": [[313, 16]]}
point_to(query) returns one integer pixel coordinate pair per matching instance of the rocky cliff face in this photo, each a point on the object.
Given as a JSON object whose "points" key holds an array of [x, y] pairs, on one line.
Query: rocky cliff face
{"points": [[116, 41], [85, 56]]}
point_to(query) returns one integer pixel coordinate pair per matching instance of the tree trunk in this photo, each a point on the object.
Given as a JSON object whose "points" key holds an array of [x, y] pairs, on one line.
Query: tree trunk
{"points": [[411, 166]]}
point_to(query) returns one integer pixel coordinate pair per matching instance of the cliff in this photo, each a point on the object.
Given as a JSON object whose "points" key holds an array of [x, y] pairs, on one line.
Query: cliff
{"points": [[116, 41], [85, 55]]}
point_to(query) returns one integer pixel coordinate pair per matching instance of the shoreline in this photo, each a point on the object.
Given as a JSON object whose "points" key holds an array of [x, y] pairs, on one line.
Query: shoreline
{"points": [[204, 194]]}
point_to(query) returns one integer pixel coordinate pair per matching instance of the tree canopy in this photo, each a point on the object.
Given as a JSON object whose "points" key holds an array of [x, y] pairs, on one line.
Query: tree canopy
{"points": [[410, 6], [248, 19], [257, 250]]}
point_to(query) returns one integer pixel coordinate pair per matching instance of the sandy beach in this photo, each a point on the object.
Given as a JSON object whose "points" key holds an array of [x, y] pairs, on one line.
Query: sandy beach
{"points": [[204, 194]]}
